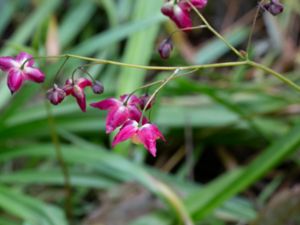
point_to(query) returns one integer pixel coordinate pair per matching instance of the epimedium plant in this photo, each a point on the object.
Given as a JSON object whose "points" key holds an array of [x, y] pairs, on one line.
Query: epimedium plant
{"points": [[129, 112]]}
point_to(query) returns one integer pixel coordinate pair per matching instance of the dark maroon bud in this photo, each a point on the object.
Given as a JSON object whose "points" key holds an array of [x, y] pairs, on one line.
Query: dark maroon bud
{"points": [[165, 48], [274, 7], [143, 101], [98, 87], [56, 95]]}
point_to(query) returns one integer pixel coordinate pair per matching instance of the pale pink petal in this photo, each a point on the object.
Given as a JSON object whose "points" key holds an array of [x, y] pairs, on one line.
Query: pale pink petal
{"points": [[80, 97], [116, 117], [34, 74], [127, 131], [6, 63], [23, 56], [83, 82], [15, 79], [107, 104]]}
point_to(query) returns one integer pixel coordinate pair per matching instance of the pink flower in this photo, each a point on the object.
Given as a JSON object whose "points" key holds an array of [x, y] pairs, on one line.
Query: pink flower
{"points": [[20, 69], [119, 111], [199, 4], [147, 135], [76, 89], [179, 12]]}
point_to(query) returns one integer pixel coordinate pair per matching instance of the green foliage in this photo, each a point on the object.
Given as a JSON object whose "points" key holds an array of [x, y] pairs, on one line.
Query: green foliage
{"points": [[247, 113]]}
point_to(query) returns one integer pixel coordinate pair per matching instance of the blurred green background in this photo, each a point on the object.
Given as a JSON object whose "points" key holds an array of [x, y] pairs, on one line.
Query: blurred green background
{"points": [[233, 135]]}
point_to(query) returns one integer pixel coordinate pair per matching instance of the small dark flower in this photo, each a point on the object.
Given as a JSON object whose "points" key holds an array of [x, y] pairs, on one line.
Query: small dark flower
{"points": [[56, 95], [98, 87], [144, 100], [274, 7], [165, 48]]}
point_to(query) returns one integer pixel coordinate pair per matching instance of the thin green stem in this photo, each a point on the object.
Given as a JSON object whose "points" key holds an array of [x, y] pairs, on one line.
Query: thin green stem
{"points": [[156, 92], [60, 159], [216, 33], [174, 201], [275, 74], [61, 67], [253, 27]]}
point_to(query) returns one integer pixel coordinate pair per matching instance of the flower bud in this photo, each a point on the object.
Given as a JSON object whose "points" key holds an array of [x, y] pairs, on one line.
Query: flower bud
{"points": [[274, 7], [98, 87], [143, 102], [165, 48], [56, 95]]}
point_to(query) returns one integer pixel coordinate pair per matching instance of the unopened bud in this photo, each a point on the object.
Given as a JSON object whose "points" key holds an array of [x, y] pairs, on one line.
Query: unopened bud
{"points": [[98, 87], [165, 48], [56, 95], [143, 102], [274, 7]]}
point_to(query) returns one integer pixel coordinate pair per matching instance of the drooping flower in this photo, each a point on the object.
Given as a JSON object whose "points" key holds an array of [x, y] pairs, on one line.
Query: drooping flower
{"points": [[165, 48], [76, 89], [274, 7], [146, 134], [56, 95], [179, 12], [119, 111], [20, 69]]}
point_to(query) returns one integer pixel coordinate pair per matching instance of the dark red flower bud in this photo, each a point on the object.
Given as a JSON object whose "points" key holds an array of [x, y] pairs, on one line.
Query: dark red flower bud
{"points": [[56, 95], [143, 101], [165, 48], [98, 87], [274, 7]]}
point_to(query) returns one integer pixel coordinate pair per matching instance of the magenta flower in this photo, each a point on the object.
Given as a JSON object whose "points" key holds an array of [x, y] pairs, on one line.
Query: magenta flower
{"points": [[147, 135], [119, 111], [199, 4], [20, 69], [76, 89], [179, 12]]}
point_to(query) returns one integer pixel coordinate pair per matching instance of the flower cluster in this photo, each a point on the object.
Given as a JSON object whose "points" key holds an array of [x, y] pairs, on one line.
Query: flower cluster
{"points": [[126, 113], [75, 88], [19, 69], [179, 11]]}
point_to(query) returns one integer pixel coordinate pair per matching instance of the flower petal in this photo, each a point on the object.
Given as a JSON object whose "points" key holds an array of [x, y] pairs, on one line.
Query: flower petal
{"points": [[80, 97], [83, 82], [15, 79], [34, 74], [199, 4], [135, 114], [6, 63], [127, 131], [115, 118], [23, 56], [181, 17], [107, 104], [146, 137]]}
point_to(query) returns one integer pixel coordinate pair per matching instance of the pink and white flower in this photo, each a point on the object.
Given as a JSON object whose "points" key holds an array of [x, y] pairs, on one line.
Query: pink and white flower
{"points": [[76, 89], [179, 11], [119, 111], [146, 134], [20, 69]]}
